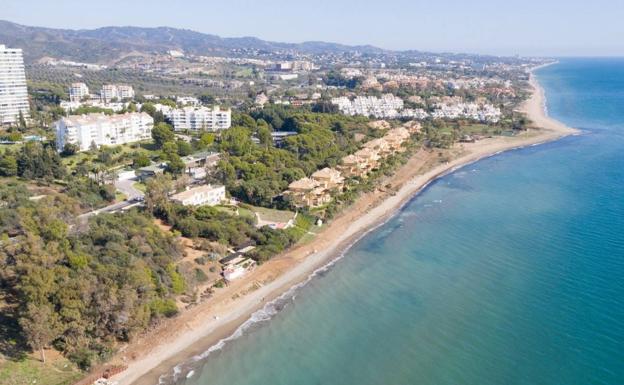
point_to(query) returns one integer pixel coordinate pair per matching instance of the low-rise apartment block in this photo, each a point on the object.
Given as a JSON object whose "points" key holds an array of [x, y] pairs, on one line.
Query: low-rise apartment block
{"points": [[328, 178], [200, 118], [307, 192], [77, 92], [117, 92], [205, 195], [86, 131]]}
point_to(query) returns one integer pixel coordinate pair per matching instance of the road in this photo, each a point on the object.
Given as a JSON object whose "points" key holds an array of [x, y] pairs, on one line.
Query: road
{"points": [[127, 187], [134, 197]]}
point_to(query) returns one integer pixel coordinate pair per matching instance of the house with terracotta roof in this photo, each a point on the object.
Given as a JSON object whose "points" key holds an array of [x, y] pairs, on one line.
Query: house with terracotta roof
{"points": [[368, 157], [413, 126], [380, 145], [329, 178], [396, 137], [307, 192], [351, 166]]}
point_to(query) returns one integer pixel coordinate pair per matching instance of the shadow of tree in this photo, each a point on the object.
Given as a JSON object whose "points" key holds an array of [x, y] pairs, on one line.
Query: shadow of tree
{"points": [[12, 344]]}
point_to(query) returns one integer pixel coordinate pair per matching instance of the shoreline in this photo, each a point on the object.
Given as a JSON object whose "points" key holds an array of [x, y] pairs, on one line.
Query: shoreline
{"points": [[222, 317]]}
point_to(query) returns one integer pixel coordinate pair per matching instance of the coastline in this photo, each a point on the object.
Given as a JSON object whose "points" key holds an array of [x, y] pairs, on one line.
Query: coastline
{"points": [[216, 319]]}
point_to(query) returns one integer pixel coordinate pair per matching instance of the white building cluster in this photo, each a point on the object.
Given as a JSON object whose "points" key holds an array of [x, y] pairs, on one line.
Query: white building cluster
{"points": [[475, 111], [388, 106], [86, 131], [391, 107], [199, 118], [13, 92]]}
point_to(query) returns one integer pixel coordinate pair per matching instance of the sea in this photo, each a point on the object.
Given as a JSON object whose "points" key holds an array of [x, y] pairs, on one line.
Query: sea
{"points": [[508, 271]]}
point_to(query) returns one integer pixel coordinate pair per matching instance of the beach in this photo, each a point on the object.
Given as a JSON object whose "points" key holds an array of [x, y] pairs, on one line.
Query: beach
{"points": [[217, 318]]}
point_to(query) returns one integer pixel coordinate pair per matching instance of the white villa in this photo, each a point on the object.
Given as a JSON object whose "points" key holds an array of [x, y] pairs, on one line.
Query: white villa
{"points": [[200, 196]]}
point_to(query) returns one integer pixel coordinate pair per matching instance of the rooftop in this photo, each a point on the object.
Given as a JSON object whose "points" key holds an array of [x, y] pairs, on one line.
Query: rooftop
{"points": [[303, 184], [326, 173], [195, 190]]}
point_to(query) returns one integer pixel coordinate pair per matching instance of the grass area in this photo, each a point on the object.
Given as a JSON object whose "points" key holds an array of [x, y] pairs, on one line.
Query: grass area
{"points": [[480, 129], [120, 154], [119, 196], [28, 371], [273, 215], [240, 211], [140, 186]]}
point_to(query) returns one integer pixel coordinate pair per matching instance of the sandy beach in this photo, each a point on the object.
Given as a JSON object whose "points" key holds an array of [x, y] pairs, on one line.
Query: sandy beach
{"points": [[198, 328]]}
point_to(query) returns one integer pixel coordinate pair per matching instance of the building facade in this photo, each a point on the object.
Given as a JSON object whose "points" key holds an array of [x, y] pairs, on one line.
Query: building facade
{"points": [[200, 196], [13, 92], [90, 130], [200, 118], [118, 92], [77, 92]]}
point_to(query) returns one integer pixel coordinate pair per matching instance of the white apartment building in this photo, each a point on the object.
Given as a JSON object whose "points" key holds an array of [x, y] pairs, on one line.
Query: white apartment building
{"points": [[200, 118], [100, 129], [77, 92], [200, 196], [13, 93], [116, 91]]}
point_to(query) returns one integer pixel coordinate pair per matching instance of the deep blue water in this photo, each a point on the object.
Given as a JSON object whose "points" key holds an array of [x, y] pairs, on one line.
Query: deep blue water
{"points": [[509, 271]]}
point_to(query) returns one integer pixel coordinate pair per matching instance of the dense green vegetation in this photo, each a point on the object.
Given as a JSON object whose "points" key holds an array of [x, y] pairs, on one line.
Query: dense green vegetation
{"points": [[82, 291], [257, 174]]}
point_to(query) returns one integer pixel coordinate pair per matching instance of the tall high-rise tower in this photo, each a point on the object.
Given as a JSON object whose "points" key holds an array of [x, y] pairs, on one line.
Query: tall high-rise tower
{"points": [[13, 92]]}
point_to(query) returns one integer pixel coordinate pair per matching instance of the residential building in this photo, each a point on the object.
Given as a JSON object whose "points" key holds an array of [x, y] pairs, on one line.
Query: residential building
{"points": [[200, 118], [307, 192], [197, 164], [90, 130], [13, 93], [380, 145], [77, 92], [368, 157], [116, 91], [395, 138], [144, 173], [328, 178], [352, 166], [200, 196], [237, 265]]}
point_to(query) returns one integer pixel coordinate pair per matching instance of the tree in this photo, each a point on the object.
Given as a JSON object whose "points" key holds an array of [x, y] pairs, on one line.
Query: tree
{"points": [[140, 160], [162, 133], [236, 141], [184, 148], [169, 149], [39, 326], [206, 140], [175, 165], [69, 149], [8, 165], [264, 135], [156, 193], [22, 122]]}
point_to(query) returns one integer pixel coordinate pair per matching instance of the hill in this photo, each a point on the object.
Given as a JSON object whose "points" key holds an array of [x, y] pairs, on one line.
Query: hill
{"points": [[108, 44]]}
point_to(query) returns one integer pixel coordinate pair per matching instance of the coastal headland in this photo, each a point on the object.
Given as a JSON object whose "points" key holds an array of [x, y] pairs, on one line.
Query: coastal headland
{"points": [[197, 329]]}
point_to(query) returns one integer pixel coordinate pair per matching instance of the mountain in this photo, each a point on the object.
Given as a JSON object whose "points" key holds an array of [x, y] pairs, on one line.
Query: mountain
{"points": [[109, 44]]}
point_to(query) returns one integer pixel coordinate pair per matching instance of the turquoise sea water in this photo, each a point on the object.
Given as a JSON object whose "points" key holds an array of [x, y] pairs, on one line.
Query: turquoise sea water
{"points": [[509, 271]]}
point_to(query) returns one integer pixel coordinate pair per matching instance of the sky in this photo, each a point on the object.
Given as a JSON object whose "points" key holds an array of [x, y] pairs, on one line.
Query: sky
{"points": [[499, 27]]}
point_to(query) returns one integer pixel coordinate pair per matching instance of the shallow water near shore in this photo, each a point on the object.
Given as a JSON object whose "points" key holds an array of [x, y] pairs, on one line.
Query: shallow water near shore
{"points": [[508, 271]]}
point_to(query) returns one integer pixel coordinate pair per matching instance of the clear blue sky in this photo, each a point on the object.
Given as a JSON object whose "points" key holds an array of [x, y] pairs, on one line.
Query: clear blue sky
{"points": [[507, 27]]}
